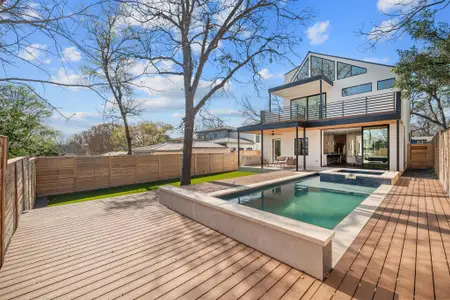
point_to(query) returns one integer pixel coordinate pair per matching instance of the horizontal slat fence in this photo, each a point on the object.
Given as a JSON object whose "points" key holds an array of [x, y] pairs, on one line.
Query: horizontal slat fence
{"points": [[420, 156], [62, 175], [441, 145], [17, 179]]}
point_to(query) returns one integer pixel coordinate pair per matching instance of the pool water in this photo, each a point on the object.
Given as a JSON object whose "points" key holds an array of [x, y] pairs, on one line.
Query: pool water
{"points": [[319, 203]]}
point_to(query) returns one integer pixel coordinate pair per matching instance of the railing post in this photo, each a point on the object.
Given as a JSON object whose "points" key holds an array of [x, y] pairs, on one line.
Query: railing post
{"points": [[263, 117], [366, 107], [343, 112]]}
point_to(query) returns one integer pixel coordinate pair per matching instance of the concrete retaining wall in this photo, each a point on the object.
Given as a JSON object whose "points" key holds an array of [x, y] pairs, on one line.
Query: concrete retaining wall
{"points": [[303, 246]]}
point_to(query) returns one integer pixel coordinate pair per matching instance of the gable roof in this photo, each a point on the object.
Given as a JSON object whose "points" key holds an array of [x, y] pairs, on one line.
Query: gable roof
{"points": [[176, 146], [338, 57]]}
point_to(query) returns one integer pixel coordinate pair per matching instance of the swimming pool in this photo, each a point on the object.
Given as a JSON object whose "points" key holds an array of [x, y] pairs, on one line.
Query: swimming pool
{"points": [[324, 204]]}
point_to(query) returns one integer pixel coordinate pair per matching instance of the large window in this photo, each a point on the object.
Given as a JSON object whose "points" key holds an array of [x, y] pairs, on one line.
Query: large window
{"points": [[301, 146], [304, 70], [321, 66], [376, 147], [310, 104], [345, 70], [385, 84], [358, 89]]}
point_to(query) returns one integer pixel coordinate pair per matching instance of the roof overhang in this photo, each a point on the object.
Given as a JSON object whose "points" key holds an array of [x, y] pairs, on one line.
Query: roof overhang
{"points": [[302, 88]]}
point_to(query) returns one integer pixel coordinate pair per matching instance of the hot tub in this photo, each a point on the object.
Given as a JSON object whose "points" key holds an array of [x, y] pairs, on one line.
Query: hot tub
{"points": [[361, 177]]}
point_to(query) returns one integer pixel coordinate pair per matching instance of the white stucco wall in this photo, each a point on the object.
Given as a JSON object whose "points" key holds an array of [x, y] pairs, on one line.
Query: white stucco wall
{"points": [[287, 146]]}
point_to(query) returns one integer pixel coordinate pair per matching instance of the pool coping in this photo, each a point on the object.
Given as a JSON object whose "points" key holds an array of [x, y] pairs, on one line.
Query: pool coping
{"points": [[348, 229], [243, 188]]}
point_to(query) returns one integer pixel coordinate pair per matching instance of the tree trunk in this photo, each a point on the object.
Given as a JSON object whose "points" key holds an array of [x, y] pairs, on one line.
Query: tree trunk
{"points": [[127, 135], [187, 149]]}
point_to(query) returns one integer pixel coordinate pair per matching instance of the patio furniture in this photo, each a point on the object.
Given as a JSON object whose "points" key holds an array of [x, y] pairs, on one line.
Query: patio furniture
{"points": [[280, 160], [291, 162]]}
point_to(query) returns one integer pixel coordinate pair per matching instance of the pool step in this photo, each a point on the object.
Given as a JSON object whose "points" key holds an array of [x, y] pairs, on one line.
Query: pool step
{"points": [[300, 189]]}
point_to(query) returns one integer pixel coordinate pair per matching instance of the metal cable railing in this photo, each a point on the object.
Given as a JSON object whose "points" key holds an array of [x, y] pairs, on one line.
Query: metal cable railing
{"points": [[380, 103]]}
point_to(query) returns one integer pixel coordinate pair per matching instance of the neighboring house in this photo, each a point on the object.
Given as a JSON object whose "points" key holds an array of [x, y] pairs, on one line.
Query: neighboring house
{"points": [[337, 112], [250, 141], [421, 139], [233, 143], [171, 148]]}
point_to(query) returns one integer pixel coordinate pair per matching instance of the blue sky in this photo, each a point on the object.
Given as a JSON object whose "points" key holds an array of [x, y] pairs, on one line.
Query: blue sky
{"points": [[332, 31]]}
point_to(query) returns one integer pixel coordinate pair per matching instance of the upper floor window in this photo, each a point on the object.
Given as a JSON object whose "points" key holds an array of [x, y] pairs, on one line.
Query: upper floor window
{"points": [[257, 138], [357, 89], [345, 70], [304, 70], [322, 66], [385, 84]]}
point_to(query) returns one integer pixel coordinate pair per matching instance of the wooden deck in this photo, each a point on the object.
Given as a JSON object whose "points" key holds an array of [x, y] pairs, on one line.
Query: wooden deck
{"points": [[133, 247]]}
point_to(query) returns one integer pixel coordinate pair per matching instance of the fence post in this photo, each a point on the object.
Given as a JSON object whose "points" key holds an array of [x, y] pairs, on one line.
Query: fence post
{"points": [[16, 197], [3, 165]]}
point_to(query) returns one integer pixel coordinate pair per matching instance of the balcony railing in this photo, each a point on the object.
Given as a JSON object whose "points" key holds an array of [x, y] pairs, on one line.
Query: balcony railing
{"points": [[349, 107]]}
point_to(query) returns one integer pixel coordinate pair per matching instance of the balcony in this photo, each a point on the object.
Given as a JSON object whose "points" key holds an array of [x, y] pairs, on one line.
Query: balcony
{"points": [[381, 103]]}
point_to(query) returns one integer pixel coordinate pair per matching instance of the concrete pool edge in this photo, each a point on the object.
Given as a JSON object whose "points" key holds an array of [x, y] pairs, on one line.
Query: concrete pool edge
{"points": [[349, 228], [243, 188], [301, 245]]}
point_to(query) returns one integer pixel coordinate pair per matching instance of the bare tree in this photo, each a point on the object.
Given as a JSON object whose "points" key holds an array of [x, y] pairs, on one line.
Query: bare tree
{"points": [[401, 13], [108, 46], [210, 42]]}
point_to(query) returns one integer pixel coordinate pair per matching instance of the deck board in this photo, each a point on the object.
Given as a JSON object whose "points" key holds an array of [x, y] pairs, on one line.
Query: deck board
{"points": [[133, 247]]}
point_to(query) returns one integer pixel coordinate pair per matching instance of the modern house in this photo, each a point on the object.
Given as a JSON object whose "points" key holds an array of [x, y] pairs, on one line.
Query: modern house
{"points": [[336, 112], [228, 137]]}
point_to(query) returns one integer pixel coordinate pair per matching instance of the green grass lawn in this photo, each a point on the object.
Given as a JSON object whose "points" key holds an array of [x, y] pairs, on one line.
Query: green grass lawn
{"points": [[135, 188]]}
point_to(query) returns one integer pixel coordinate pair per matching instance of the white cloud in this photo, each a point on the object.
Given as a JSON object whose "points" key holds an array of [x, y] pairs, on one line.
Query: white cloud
{"points": [[68, 77], [382, 60], [318, 33], [34, 52], [265, 74], [389, 6], [385, 30], [71, 54], [167, 92], [79, 116]]}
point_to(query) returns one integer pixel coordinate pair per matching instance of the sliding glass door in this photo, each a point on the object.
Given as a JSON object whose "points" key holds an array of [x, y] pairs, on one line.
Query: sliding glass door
{"points": [[376, 147]]}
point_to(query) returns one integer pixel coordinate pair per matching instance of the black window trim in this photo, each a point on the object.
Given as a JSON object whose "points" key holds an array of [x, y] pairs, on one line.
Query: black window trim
{"points": [[310, 66], [371, 89], [337, 68], [296, 146], [378, 82]]}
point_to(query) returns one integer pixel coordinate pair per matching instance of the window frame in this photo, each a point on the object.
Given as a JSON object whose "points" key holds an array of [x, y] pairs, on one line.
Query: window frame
{"points": [[321, 67], [378, 82], [351, 66], [302, 141], [349, 87]]}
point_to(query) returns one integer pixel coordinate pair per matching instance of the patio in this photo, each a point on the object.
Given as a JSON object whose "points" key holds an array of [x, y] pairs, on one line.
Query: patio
{"points": [[133, 247]]}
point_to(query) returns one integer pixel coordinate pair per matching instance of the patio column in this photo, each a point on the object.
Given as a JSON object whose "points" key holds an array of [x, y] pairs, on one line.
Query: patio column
{"points": [[398, 144], [304, 148], [262, 149], [321, 101], [296, 148], [239, 149]]}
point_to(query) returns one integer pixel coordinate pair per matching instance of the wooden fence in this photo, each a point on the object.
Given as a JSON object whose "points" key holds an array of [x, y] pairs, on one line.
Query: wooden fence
{"points": [[441, 145], [420, 156], [17, 192], [61, 175]]}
